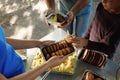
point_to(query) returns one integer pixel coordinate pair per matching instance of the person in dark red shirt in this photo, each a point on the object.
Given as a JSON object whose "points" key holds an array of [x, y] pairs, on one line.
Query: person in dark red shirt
{"points": [[103, 34]]}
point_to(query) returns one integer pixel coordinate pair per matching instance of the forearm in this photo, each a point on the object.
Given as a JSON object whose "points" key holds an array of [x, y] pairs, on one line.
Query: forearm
{"points": [[79, 5], [2, 77], [50, 4], [31, 75], [97, 46], [22, 44]]}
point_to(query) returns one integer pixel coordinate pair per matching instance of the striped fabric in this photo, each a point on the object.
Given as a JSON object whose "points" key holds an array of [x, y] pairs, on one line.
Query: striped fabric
{"points": [[103, 33]]}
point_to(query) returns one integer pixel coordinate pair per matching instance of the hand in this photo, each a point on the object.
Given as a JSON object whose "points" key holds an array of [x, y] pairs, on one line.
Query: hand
{"points": [[47, 12], [78, 42], [69, 38], [45, 43], [56, 60], [68, 21], [89, 76]]}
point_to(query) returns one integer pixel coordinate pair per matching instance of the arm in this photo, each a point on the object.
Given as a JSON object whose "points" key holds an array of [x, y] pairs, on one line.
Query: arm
{"points": [[50, 8], [103, 46], [79, 42], [50, 4], [79, 5], [107, 45], [2, 77], [31, 75], [99, 46], [25, 44]]}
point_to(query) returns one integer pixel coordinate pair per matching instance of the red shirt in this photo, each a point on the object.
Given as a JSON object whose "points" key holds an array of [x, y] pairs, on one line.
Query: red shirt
{"points": [[104, 32]]}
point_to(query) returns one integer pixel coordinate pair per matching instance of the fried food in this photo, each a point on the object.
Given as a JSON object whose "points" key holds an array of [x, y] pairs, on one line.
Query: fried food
{"points": [[93, 57], [59, 48], [66, 67], [89, 75]]}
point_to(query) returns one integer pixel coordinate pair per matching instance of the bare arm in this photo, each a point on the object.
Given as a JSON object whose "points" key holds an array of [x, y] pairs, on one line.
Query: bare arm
{"points": [[50, 4], [25, 44], [30, 75], [2, 77], [80, 4], [34, 73]]}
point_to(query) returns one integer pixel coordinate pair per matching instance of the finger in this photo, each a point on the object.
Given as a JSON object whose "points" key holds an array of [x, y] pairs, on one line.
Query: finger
{"points": [[47, 12], [73, 40], [68, 36], [69, 20], [47, 23], [70, 16], [69, 39], [77, 45], [76, 39], [63, 25]]}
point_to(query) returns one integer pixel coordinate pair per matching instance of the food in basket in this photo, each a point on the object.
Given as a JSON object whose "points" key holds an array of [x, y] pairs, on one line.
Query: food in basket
{"points": [[56, 18], [60, 18], [53, 18], [93, 57], [59, 48], [67, 67], [89, 75]]}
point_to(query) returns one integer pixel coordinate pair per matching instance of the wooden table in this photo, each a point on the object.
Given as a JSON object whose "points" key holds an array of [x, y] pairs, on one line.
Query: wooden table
{"points": [[110, 71]]}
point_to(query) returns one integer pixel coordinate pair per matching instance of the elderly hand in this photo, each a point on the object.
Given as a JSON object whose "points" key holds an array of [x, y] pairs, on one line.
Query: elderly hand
{"points": [[78, 42], [69, 20]]}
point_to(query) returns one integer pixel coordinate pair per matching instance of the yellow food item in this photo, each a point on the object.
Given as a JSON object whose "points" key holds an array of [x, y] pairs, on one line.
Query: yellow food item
{"points": [[53, 18], [67, 67], [38, 60], [68, 33]]}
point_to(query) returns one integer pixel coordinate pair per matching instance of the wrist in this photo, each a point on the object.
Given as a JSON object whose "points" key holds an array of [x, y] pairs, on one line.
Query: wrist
{"points": [[70, 16], [48, 65], [38, 43], [71, 13], [86, 42]]}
